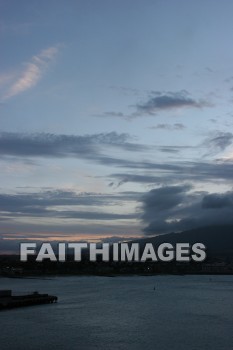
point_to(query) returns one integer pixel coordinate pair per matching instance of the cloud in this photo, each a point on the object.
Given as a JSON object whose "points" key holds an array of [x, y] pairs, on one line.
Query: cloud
{"points": [[218, 200], [164, 198], [161, 101], [169, 149], [177, 208], [61, 204], [60, 215], [113, 114], [51, 145], [32, 73], [49, 229], [169, 101], [135, 178], [29, 78], [219, 142], [161, 173], [176, 126]]}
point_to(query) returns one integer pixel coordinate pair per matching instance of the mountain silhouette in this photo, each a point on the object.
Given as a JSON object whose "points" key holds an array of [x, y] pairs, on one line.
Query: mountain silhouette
{"points": [[217, 239]]}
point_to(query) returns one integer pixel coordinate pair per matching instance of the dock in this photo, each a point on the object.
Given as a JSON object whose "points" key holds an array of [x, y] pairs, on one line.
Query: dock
{"points": [[9, 301]]}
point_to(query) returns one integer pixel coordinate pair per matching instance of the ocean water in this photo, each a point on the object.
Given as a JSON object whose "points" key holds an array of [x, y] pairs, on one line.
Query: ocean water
{"points": [[181, 313]]}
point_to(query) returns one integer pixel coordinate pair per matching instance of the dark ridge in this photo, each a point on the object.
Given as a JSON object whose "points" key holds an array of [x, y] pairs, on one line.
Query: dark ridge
{"points": [[217, 239]]}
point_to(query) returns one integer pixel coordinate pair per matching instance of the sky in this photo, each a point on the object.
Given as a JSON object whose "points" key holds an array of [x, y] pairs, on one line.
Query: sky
{"points": [[115, 118]]}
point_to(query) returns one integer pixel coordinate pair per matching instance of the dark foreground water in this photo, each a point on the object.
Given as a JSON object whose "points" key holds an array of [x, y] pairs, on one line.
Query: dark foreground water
{"points": [[182, 313]]}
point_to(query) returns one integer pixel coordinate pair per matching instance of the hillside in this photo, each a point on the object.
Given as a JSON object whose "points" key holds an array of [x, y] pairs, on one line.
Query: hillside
{"points": [[218, 239]]}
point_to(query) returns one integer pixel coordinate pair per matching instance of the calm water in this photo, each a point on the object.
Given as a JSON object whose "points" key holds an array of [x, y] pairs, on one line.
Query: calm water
{"points": [[183, 312]]}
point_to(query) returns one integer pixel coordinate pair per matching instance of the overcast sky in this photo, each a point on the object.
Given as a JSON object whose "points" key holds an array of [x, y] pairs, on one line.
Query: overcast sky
{"points": [[116, 118]]}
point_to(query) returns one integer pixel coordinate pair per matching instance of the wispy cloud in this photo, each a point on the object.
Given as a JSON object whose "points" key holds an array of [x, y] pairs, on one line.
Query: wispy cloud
{"points": [[218, 142], [65, 205], [160, 173], [176, 126], [169, 101], [32, 72], [159, 101], [60, 146]]}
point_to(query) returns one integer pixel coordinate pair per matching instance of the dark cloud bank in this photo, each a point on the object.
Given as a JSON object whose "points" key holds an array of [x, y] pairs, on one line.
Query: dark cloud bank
{"points": [[178, 208], [162, 210]]}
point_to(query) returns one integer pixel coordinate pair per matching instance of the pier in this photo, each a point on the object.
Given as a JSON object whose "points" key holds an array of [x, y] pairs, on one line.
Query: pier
{"points": [[9, 301]]}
